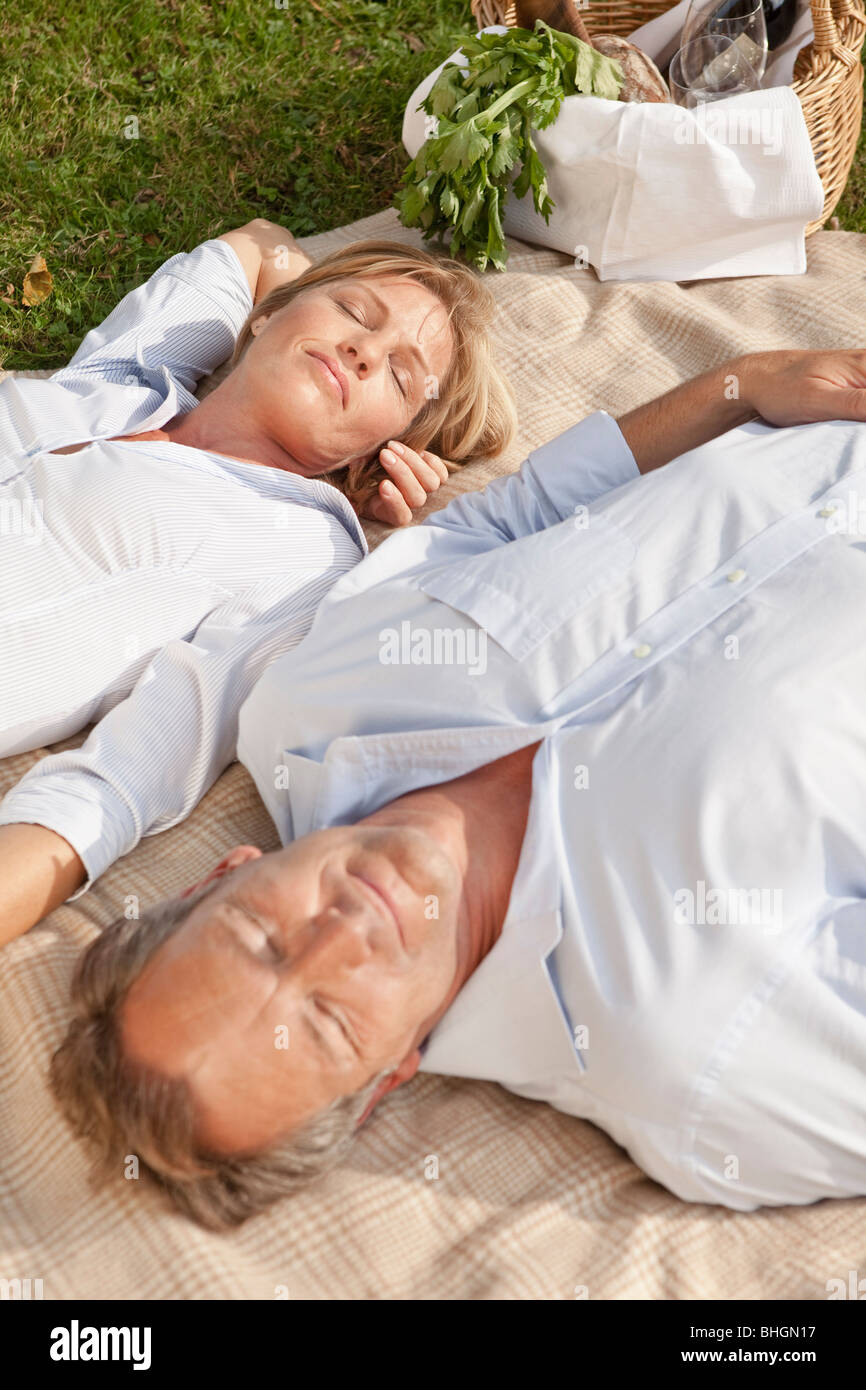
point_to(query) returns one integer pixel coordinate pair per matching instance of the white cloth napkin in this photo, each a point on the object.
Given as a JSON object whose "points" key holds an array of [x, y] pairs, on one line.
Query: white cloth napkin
{"points": [[651, 191]]}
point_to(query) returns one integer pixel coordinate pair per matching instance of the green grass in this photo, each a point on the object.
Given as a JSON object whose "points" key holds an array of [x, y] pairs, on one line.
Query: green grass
{"points": [[243, 110], [851, 208]]}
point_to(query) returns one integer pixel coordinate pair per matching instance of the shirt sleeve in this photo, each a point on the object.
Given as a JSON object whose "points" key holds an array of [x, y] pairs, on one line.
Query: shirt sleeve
{"points": [[149, 761], [580, 465], [186, 317]]}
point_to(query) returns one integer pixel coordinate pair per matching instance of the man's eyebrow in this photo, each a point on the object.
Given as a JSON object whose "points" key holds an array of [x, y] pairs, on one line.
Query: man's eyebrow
{"points": [[383, 307]]}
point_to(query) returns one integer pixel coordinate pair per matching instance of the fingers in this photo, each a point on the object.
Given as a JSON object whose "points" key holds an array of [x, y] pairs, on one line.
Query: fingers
{"points": [[414, 474], [405, 478], [388, 505], [436, 463], [406, 465]]}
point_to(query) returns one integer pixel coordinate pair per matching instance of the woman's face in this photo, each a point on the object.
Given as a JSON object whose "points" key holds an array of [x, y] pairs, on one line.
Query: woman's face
{"points": [[389, 339]]}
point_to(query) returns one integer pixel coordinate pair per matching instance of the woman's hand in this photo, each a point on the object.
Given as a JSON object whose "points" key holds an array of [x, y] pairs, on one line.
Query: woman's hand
{"points": [[802, 388], [412, 477]]}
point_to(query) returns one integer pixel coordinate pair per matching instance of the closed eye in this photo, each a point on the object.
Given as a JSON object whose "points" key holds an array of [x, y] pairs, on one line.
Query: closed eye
{"points": [[347, 310], [253, 933], [335, 1019]]}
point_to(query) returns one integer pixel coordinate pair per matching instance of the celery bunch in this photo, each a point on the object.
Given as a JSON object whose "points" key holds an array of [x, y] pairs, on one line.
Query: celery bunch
{"points": [[460, 177]]}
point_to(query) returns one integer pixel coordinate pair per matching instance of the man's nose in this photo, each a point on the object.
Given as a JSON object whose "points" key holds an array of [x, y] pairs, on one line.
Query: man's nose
{"points": [[343, 927]]}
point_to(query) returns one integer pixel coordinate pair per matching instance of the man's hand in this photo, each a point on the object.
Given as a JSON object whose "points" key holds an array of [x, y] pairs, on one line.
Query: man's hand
{"points": [[783, 388], [413, 476], [802, 388], [39, 870]]}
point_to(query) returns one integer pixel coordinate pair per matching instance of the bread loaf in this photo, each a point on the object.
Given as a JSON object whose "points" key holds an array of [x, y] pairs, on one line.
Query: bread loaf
{"points": [[643, 81]]}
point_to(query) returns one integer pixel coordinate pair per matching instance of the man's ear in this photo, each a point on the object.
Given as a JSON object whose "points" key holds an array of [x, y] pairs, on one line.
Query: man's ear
{"points": [[241, 854], [404, 1072]]}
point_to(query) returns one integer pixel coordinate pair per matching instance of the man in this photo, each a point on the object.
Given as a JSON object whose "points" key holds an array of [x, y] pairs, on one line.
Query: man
{"points": [[610, 852]]}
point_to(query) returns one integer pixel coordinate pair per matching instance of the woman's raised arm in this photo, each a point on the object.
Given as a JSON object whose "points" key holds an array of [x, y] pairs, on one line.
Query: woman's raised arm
{"points": [[268, 253]]}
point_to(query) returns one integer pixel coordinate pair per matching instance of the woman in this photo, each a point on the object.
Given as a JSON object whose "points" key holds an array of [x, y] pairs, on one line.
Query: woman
{"points": [[147, 579]]}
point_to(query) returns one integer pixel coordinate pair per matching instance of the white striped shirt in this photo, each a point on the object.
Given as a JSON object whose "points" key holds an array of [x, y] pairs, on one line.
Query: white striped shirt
{"points": [[145, 584]]}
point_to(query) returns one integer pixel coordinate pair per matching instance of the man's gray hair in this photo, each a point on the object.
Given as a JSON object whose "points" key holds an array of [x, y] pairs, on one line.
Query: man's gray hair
{"points": [[124, 1108]]}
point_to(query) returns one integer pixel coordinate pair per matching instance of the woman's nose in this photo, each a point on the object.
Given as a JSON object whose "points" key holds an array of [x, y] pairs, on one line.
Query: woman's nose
{"points": [[360, 360]]}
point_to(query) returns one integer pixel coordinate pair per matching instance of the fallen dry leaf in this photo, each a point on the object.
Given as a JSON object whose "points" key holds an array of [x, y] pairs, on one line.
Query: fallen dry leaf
{"points": [[151, 238], [38, 282], [9, 296]]}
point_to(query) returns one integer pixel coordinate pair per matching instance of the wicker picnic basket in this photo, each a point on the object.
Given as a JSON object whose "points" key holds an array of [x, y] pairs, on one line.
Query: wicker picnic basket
{"points": [[828, 73]]}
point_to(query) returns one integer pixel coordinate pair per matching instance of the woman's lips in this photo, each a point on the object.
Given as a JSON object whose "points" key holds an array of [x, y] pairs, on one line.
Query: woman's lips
{"points": [[331, 376]]}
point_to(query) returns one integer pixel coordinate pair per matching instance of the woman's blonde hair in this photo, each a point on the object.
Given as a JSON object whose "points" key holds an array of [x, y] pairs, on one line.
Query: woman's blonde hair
{"points": [[469, 415]]}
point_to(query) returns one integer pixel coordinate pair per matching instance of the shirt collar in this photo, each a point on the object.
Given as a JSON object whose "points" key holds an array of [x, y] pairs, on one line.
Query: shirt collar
{"points": [[261, 477]]}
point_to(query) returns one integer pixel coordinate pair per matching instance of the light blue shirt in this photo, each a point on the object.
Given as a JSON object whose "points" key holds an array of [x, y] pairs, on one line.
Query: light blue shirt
{"points": [[144, 585], [683, 961]]}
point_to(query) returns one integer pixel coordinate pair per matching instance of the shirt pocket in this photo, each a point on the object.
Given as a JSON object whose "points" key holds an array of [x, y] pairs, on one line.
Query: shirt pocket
{"points": [[522, 591]]}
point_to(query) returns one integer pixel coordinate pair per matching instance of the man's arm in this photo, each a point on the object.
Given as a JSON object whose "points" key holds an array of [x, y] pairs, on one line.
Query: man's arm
{"points": [[783, 387], [268, 253], [599, 453], [691, 414]]}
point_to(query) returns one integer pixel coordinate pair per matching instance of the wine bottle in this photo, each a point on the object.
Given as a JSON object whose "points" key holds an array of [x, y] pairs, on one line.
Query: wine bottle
{"points": [[742, 21], [780, 16]]}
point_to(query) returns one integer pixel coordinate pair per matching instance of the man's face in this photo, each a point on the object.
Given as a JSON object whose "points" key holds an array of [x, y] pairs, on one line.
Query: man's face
{"points": [[249, 999], [390, 339]]}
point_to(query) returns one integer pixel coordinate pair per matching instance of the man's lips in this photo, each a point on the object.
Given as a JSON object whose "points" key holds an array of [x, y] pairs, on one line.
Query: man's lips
{"points": [[385, 898], [333, 374]]}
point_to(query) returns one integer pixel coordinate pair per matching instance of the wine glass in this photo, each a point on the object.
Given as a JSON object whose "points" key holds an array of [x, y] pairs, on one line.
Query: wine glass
{"points": [[743, 21], [710, 68]]}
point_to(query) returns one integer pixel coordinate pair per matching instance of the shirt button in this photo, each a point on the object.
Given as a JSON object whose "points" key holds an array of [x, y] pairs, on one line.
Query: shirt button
{"points": [[827, 511], [735, 576], [642, 650]]}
